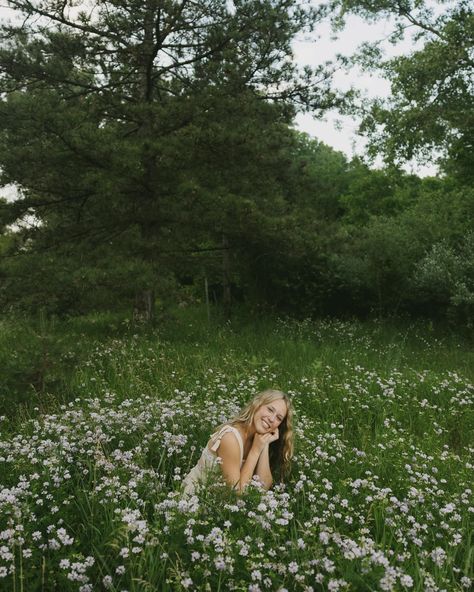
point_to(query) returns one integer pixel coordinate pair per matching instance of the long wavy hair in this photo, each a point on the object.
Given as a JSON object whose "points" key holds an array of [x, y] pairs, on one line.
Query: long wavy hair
{"points": [[280, 451]]}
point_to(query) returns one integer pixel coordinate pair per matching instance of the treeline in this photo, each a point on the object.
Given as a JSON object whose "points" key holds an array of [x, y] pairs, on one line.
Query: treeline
{"points": [[337, 238], [153, 151]]}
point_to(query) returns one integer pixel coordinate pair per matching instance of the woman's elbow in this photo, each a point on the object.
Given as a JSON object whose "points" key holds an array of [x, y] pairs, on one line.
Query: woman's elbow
{"points": [[235, 485], [239, 488], [268, 484]]}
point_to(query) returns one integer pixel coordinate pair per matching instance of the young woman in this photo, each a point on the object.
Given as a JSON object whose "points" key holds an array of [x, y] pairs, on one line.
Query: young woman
{"points": [[257, 441]]}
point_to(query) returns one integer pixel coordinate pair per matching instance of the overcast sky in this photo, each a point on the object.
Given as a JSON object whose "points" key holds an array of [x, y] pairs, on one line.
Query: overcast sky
{"points": [[338, 131]]}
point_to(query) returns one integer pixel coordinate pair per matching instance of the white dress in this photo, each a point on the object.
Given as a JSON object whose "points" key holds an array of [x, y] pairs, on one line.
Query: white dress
{"points": [[208, 460]]}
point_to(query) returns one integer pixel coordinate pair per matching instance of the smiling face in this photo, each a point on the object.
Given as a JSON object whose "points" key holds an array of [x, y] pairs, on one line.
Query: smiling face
{"points": [[269, 416]]}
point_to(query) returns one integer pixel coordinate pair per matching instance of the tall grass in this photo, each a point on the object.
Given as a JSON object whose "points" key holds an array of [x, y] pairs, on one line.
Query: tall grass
{"points": [[43, 361], [93, 451]]}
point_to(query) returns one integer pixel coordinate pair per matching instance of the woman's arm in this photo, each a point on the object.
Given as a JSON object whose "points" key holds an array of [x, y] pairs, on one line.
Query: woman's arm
{"points": [[263, 469], [229, 452]]}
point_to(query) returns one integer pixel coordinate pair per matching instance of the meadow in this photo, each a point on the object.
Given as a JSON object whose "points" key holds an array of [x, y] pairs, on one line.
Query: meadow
{"points": [[102, 419]]}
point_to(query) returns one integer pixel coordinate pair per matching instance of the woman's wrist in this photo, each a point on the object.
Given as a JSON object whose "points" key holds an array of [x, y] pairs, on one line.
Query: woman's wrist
{"points": [[255, 450], [259, 448]]}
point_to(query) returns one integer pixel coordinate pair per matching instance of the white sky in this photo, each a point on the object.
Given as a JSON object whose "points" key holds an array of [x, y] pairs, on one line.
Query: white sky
{"points": [[338, 131]]}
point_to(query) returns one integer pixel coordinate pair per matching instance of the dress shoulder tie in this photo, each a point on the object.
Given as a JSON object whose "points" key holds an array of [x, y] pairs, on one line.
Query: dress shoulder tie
{"points": [[218, 437]]}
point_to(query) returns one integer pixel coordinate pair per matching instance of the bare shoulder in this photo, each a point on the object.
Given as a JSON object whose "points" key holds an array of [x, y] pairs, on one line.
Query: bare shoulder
{"points": [[229, 447]]}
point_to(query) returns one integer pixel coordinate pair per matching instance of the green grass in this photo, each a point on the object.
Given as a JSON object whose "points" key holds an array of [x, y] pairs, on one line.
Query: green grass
{"points": [[45, 360], [102, 419]]}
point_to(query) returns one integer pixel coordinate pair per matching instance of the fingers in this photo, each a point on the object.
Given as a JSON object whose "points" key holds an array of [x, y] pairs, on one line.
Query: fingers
{"points": [[270, 437]]}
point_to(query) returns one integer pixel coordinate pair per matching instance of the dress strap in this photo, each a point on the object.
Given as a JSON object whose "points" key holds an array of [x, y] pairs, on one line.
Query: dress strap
{"points": [[218, 437]]}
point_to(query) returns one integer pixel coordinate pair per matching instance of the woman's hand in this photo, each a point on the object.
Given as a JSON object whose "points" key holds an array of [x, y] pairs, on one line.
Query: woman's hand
{"points": [[262, 440]]}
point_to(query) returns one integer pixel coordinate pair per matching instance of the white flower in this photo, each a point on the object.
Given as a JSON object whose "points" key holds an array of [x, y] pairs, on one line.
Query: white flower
{"points": [[64, 537], [324, 537], [54, 544], [334, 585], [438, 556], [406, 581], [219, 563]]}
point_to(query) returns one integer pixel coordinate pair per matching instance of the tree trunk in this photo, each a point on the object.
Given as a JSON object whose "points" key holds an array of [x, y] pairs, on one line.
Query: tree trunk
{"points": [[226, 294], [206, 291], [144, 306]]}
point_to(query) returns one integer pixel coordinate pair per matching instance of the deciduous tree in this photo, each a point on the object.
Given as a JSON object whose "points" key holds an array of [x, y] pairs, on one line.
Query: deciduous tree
{"points": [[430, 112]]}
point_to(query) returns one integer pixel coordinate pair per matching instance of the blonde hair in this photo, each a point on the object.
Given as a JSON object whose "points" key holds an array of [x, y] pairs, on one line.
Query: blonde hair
{"points": [[280, 451]]}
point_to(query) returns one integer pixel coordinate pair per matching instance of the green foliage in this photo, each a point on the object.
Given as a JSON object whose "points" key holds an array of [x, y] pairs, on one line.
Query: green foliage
{"points": [[446, 276], [378, 262], [72, 279], [153, 151], [44, 356], [163, 120], [430, 109], [369, 193], [315, 178]]}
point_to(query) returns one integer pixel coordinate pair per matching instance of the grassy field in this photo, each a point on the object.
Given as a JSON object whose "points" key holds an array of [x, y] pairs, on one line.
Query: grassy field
{"points": [[102, 419]]}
